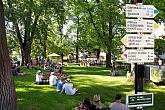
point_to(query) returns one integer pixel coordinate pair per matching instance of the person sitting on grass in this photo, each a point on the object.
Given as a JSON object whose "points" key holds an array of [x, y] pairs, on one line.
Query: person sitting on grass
{"points": [[39, 77], [117, 105], [57, 73], [85, 105], [52, 79], [60, 84], [18, 70], [97, 103], [68, 88]]}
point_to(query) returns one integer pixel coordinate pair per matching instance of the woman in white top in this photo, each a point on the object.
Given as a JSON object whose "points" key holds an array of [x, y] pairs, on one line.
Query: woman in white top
{"points": [[52, 79], [38, 77], [68, 88]]}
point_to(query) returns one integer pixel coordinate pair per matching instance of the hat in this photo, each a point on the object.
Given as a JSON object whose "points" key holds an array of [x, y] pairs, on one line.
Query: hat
{"points": [[52, 73], [39, 71], [68, 80], [96, 98]]}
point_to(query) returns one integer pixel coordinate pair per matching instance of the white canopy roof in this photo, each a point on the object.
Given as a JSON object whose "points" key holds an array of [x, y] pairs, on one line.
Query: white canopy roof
{"points": [[53, 55], [162, 56]]}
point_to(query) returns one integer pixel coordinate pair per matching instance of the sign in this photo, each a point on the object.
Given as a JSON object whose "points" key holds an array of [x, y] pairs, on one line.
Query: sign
{"points": [[139, 55], [138, 40], [141, 25], [141, 11], [137, 100]]}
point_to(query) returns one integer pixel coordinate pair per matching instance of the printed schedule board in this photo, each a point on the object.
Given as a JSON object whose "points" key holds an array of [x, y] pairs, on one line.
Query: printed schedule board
{"points": [[141, 25], [138, 40], [140, 100], [139, 56], [143, 11]]}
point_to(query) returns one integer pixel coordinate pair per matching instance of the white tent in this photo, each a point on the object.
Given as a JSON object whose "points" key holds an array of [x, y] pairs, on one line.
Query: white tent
{"points": [[162, 56], [53, 55]]}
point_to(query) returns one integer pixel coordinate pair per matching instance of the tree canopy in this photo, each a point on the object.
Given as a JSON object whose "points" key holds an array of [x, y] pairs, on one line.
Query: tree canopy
{"points": [[68, 27]]}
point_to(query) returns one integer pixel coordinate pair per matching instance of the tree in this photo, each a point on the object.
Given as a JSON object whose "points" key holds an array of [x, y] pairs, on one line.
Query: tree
{"points": [[7, 89], [108, 21], [25, 16], [160, 6], [159, 46], [61, 22]]}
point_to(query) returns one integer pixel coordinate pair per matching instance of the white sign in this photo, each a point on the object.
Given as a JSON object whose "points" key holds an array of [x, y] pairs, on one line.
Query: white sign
{"points": [[139, 55], [141, 25], [142, 11], [138, 40]]}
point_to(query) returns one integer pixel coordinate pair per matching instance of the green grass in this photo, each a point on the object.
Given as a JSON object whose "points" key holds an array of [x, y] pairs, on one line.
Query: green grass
{"points": [[89, 81]]}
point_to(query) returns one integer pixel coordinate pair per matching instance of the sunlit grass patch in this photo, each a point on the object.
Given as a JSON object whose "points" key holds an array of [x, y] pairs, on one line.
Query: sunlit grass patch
{"points": [[89, 81]]}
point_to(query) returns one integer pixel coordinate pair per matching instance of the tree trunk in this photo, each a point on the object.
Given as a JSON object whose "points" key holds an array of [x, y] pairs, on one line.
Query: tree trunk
{"points": [[77, 53], [77, 45], [62, 58], [110, 37], [7, 89], [26, 51], [23, 57], [108, 59], [45, 33], [45, 51], [44, 44], [98, 54]]}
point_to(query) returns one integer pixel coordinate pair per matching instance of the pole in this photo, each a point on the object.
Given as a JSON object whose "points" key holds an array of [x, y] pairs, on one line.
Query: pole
{"points": [[139, 73]]}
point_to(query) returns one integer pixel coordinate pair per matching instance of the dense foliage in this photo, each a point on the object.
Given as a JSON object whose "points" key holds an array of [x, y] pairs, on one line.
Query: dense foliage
{"points": [[67, 27]]}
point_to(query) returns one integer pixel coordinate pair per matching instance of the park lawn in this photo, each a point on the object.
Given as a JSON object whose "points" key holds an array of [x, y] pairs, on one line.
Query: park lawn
{"points": [[89, 81]]}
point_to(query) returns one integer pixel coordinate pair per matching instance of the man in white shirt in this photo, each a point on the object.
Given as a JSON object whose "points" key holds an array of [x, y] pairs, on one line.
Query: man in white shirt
{"points": [[160, 63], [52, 79], [68, 88]]}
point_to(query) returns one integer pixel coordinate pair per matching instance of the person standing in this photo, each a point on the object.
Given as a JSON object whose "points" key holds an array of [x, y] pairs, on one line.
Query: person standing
{"points": [[160, 63]]}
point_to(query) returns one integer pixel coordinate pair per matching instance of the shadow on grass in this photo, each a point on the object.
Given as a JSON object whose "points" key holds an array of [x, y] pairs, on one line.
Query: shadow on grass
{"points": [[93, 70], [45, 97], [44, 100], [158, 100], [37, 99], [86, 70], [89, 81]]}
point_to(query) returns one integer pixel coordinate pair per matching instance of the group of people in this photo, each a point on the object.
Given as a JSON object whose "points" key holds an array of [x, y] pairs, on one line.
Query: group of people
{"points": [[53, 67], [89, 62], [58, 79], [40, 61], [46, 63], [96, 104]]}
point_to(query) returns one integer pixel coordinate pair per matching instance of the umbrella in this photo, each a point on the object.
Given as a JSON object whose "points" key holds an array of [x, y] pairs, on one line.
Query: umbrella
{"points": [[53, 55]]}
